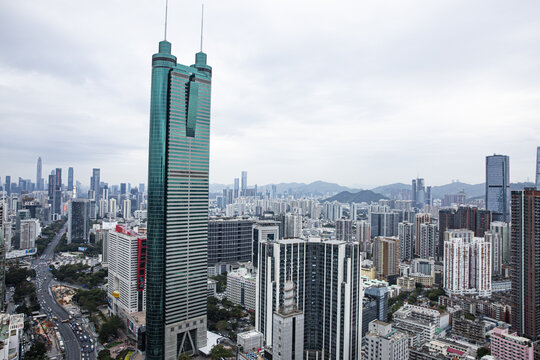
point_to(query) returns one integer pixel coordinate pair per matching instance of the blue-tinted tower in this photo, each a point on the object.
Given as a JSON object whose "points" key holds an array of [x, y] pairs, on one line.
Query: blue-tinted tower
{"points": [[177, 205]]}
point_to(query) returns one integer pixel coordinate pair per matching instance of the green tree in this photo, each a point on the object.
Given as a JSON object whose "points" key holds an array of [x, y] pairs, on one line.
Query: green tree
{"points": [[90, 299], [104, 354], [482, 352], [108, 329], [219, 352], [38, 351], [185, 356], [221, 325], [221, 282]]}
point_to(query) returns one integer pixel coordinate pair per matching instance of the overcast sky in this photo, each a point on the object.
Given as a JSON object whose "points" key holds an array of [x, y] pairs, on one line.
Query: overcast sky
{"points": [[354, 92]]}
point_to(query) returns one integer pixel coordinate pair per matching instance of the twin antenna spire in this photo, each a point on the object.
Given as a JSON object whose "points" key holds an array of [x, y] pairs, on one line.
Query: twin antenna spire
{"points": [[166, 8], [202, 21]]}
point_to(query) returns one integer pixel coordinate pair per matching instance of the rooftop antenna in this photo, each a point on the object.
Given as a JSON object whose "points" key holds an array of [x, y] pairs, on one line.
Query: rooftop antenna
{"points": [[202, 24], [166, 8]]}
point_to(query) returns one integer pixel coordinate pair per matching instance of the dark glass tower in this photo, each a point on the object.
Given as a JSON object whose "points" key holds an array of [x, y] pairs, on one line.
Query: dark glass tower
{"points": [[177, 205], [95, 183], [525, 275], [39, 178], [498, 186], [70, 179]]}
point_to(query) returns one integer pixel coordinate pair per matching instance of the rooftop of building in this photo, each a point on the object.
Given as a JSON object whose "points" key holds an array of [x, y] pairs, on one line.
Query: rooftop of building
{"points": [[249, 334], [211, 341]]}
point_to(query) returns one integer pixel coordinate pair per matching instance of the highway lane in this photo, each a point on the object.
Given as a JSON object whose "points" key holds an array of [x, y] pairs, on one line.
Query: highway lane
{"points": [[76, 347]]}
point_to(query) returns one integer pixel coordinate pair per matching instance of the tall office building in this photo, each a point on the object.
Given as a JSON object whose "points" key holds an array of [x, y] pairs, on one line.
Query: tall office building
{"points": [[326, 276], [419, 193], [525, 273], [538, 167], [7, 185], [405, 234], [236, 187], [78, 221], [177, 205], [50, 188], [498, 186], [126, 252], [244, 182], [56, 191], [3, 249], [39, 177], [263, 230], [70, 179], [95, 183], [229, 241], [3, 214]]}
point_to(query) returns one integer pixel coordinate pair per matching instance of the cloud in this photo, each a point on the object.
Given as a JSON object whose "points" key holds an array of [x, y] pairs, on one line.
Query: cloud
{"points": [[345, 91]]}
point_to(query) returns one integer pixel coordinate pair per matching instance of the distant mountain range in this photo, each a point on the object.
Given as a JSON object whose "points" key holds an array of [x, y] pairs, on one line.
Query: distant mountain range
{"points": [[358, 197], [317, 188], [326, 189]]}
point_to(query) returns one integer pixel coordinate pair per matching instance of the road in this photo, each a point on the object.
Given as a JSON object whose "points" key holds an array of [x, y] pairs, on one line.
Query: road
{"points": [[75, 345]]}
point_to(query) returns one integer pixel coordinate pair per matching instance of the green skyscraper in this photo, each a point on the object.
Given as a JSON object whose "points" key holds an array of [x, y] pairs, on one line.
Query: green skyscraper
{"points": [[177, 205]]}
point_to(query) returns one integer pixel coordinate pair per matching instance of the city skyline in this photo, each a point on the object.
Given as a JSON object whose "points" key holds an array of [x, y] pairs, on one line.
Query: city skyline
{"points": [[483, 84]]}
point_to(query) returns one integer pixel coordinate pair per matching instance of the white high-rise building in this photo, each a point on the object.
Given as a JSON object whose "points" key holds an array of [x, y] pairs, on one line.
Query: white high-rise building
{"points": [[496, 252], [30, 230], [406, 237], [288, 336], [384, 343], [353, 211], [363, 234], [263, 230], [333, 211], [127, 270], [429, 236], [103, 207], [113, 209], [126, 209], [481, 268], [467, 266]]}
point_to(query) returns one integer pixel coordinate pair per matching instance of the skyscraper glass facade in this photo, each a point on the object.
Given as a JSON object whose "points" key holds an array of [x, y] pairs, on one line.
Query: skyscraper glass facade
{"points": [[498, 186], [177, 205]]}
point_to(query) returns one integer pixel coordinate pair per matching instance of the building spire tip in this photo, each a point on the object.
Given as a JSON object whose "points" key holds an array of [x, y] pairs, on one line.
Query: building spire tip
{"points": [[166, 10], [202, 24]]}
